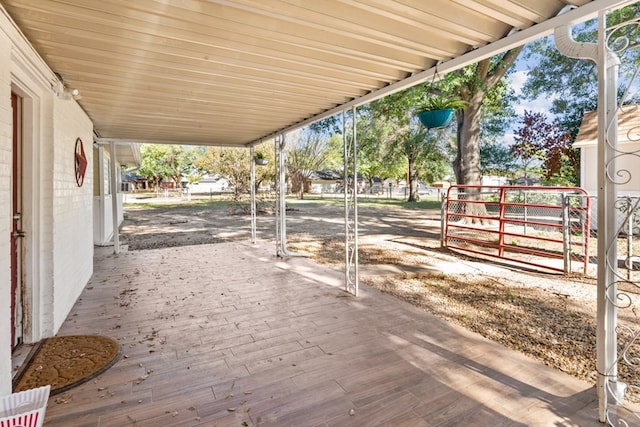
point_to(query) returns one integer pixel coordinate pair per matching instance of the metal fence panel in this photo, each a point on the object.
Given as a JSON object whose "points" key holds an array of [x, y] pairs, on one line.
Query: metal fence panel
{"points": [[542, 227]]}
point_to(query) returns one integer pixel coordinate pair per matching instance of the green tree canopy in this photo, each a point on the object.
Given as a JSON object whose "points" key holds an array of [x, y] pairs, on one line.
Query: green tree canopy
{"points": [[160, 162], [375, 157], [571, 84], [400, 134], [307, 152], [484, 89], [497, 159], [235, 165]]}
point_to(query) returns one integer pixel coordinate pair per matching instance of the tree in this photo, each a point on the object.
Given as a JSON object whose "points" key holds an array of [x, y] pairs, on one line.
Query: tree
{"points": [[267, 172], [528, 151], [497, 159], [151, 165], [540, 140], [412, 144], [234, 164], [433, 162], [571, 84], [480, 85], [483, 88], [375, 156], [330, 125], [159, 162], [334, 159], [307, 152], [401, 134]]}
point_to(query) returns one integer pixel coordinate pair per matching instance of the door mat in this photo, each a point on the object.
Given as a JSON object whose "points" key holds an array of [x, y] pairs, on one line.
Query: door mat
{"points": [[66, 361]]}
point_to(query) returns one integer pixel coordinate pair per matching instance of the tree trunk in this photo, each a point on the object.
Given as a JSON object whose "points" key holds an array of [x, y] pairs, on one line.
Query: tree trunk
{"points": [[413, 179], [466, 165], [297, 185], [467, 162]]}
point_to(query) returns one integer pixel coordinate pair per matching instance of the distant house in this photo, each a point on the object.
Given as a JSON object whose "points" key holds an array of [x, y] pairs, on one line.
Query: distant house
{"points": [[210, 184], [528, 181], [493, 180], [628, 141], [322, 181], [132, 182]]}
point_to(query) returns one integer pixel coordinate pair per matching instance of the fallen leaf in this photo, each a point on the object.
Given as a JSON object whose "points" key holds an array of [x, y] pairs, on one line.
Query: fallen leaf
{"points": [[64, 398]]}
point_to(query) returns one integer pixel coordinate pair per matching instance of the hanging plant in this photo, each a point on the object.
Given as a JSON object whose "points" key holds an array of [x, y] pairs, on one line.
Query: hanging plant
{"points": [[260, 159], [438, 111]]}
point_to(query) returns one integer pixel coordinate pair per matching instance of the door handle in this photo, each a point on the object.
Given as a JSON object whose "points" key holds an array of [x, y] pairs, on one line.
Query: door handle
{"points": [[17, 234]]}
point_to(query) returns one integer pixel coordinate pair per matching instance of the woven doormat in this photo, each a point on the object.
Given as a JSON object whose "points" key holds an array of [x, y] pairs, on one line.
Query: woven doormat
{"points": [[66, 361]]}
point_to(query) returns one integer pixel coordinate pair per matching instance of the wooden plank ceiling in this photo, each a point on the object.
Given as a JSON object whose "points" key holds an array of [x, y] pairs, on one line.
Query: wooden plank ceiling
{"points": [[229, 72]]}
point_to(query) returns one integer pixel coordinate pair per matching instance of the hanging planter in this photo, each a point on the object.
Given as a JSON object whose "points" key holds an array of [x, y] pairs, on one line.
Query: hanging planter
{"points": [[260, 159], [436, 119], [437, 112]]}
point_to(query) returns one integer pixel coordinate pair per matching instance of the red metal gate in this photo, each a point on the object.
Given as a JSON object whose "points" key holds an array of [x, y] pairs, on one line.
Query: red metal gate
{"points": [[544, 227]]}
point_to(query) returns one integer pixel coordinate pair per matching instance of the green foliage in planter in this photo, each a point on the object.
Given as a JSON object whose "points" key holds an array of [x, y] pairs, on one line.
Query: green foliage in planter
{"points": [[440, 103]]}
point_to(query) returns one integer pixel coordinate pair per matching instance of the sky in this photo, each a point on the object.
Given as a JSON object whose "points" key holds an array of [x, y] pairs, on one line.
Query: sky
{"points": [[542, 104]]}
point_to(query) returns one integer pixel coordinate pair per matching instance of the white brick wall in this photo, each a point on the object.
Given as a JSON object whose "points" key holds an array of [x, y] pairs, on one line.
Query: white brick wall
{"points": [[5, 282], [57, 215], [72, 208]]}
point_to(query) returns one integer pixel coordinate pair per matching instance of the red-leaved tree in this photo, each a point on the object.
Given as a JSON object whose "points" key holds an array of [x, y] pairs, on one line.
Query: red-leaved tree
{"points": [[539, 139]]}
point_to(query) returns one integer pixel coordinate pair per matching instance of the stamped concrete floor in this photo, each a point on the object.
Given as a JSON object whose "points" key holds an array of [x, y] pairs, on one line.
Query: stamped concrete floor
{"points": [[230, 335]]}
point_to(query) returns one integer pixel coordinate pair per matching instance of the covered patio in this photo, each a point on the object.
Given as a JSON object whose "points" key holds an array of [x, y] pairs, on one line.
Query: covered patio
{"points": [[230, 335]]}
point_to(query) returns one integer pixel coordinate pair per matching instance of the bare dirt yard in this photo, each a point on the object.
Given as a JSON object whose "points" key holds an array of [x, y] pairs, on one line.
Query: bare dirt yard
{"points": [[546, 316]]}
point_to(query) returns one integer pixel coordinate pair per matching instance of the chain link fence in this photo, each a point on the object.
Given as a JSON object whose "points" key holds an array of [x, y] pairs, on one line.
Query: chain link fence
{"points": [[628, 221]]}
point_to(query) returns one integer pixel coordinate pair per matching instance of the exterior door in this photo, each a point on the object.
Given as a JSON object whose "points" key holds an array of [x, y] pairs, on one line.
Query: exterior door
{"points": [[16, 231]]}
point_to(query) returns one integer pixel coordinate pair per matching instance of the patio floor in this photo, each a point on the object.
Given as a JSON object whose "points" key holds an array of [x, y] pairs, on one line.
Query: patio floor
{"points": [[230, 335]]}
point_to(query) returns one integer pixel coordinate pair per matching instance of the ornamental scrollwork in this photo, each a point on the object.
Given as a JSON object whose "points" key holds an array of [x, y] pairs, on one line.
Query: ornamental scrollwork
{"points": [[623, 292]]}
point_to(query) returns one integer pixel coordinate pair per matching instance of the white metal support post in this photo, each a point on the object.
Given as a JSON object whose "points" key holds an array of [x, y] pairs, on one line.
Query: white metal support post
{"points": [[606, 335], [281, 238], [354, 259], [350, 205], [114, 197], [281, 209], [280, 188], [276, 186], [253, 194]]}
